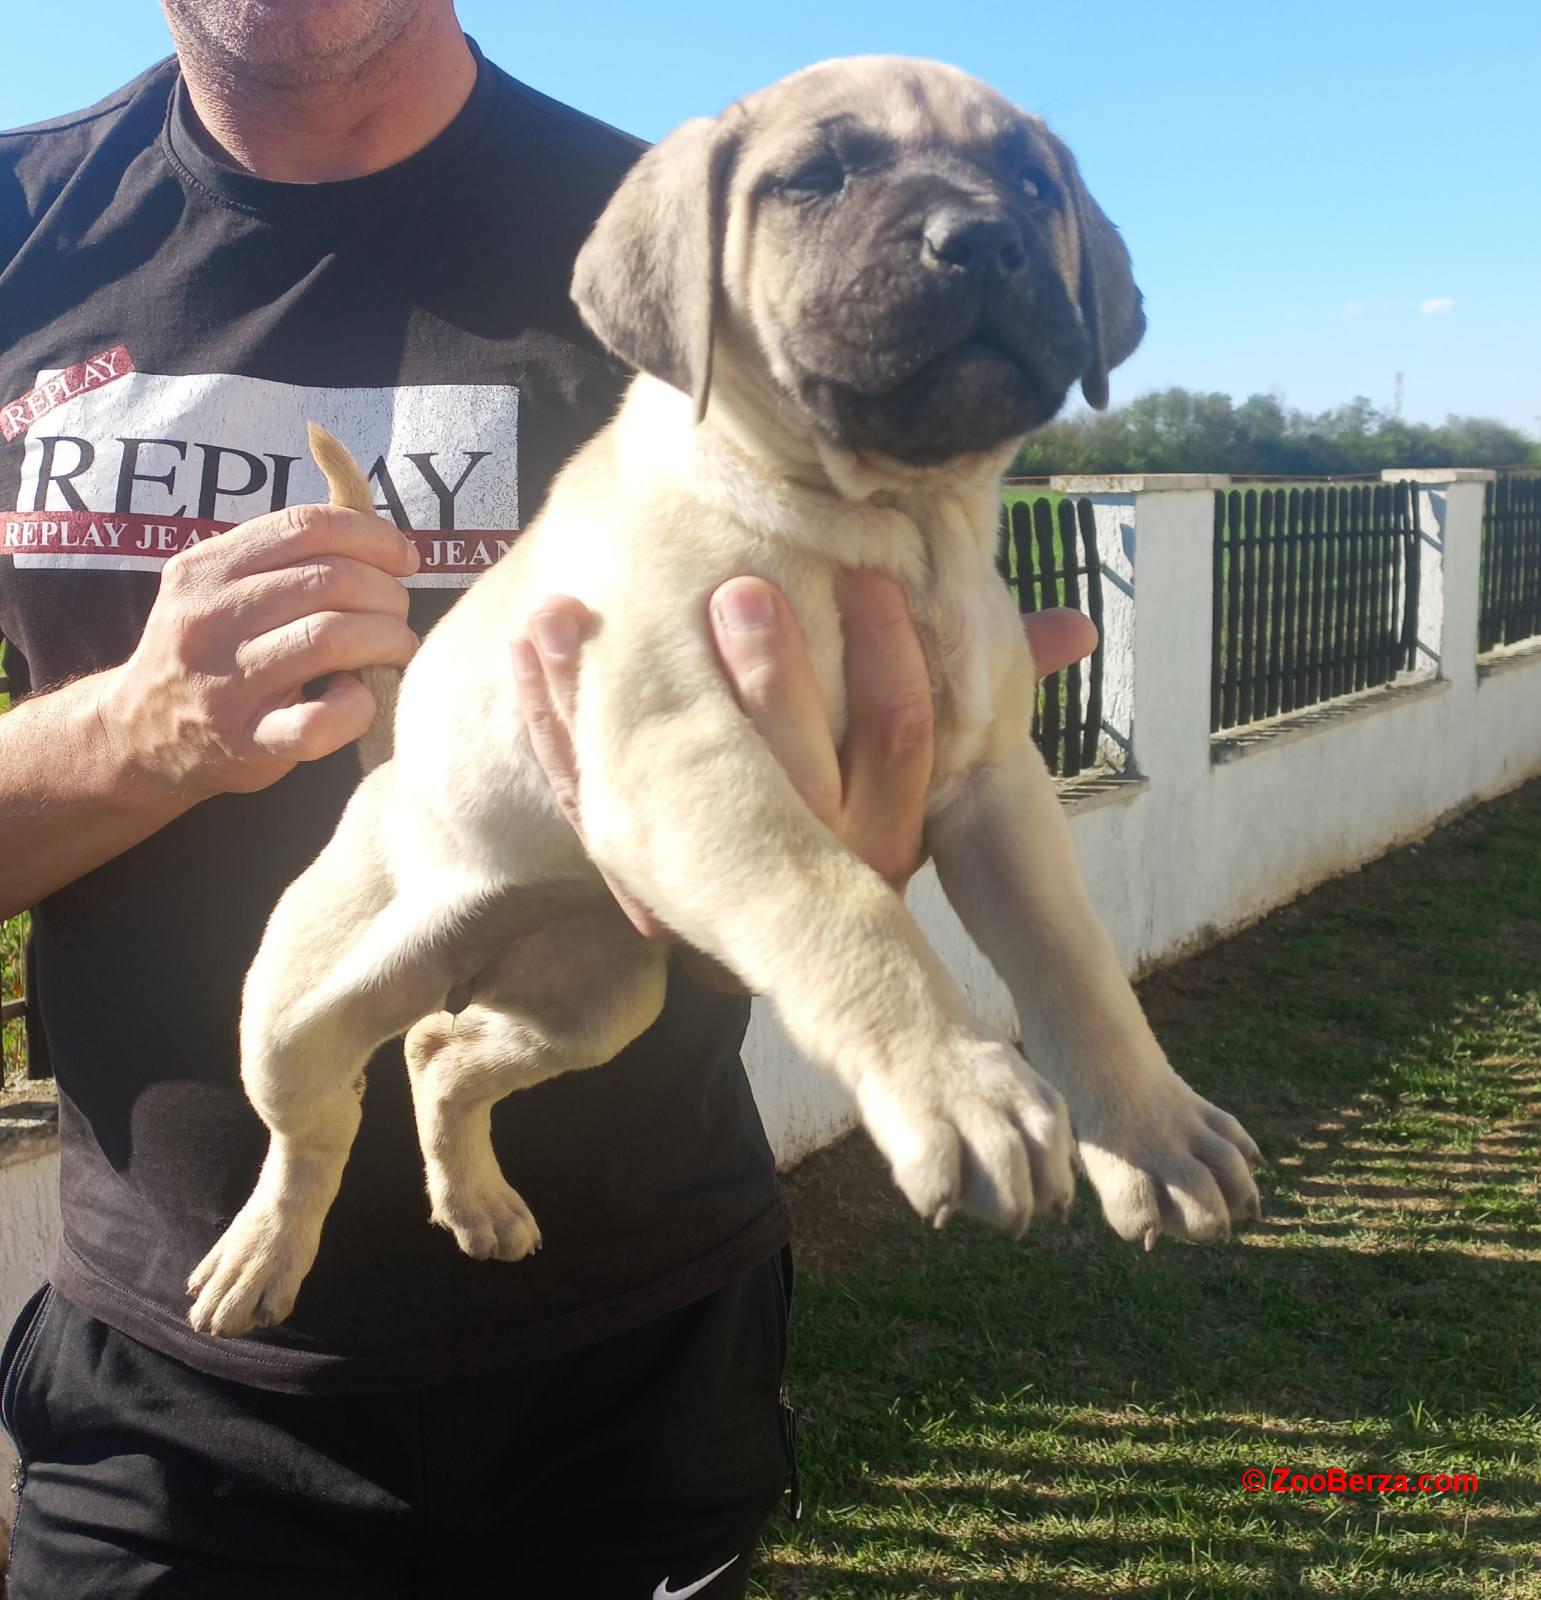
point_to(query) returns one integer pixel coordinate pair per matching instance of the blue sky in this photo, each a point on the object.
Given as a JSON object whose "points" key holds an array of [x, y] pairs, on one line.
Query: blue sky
{"points": [[1317, 196]]}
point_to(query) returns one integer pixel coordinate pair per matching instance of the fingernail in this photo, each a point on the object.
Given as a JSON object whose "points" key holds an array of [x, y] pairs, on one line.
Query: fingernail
{"points": [[415, 554], [744, 608], [556, 633]]}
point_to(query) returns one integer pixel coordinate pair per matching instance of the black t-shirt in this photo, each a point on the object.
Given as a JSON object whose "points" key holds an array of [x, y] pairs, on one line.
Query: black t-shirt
{"points": [[167, 327]]}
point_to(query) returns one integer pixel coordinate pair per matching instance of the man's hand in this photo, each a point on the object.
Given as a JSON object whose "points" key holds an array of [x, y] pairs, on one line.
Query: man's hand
{"points": [[212, 700], [871, 793]]}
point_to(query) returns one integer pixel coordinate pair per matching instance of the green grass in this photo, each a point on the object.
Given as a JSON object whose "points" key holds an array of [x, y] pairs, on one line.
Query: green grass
{"points": [[13, 1043], [1071, 1417]]}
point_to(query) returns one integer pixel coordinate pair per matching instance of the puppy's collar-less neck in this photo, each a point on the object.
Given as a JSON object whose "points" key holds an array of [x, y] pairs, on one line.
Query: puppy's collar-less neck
{"points": [[770, 499], [867, 512], [757, 426]]}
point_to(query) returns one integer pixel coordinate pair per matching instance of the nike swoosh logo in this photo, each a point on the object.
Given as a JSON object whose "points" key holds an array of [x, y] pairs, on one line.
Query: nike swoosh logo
{"points": [[664, 1592]]}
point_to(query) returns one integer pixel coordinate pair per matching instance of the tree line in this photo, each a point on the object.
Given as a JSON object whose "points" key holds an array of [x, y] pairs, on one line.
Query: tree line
{"points": [[1176, 430]]}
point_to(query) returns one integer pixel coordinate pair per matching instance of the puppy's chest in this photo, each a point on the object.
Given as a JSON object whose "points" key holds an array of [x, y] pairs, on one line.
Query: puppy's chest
{"points": [[962, 636], [966, 674]]}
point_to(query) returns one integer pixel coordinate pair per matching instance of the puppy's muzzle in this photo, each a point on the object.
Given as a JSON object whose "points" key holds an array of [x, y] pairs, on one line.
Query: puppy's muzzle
{"points": [[986, 248]]}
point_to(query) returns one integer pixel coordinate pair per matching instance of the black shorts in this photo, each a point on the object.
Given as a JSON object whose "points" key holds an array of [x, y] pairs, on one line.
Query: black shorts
{"points": [[642, 1466]]}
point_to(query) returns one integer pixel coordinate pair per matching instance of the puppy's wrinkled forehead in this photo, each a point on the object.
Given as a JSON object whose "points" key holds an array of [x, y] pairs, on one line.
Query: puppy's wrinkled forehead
{"points": [[893, 100]]}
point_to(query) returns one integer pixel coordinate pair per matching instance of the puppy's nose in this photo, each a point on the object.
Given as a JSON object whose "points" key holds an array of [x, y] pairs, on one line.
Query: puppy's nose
{"points": [[986, 246]]}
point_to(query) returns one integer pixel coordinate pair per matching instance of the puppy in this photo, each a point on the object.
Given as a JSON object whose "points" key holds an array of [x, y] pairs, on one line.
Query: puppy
{"points": [[848, 297]]}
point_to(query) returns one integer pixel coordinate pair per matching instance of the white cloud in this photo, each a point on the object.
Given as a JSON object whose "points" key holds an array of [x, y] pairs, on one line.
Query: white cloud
{"points": [[1440, 306]]}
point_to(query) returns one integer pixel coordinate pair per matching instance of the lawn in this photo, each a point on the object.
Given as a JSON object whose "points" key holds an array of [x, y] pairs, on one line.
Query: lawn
{"points": [[13, 1043], [1071, 1417]]}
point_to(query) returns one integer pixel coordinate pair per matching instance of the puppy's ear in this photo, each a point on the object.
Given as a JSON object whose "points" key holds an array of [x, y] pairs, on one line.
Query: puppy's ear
{"points": [[648, 278], [1109, 301]]}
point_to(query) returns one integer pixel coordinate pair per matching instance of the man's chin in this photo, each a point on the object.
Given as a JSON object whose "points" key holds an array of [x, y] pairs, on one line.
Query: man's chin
{"points": [[288, 44], [973, 398]]}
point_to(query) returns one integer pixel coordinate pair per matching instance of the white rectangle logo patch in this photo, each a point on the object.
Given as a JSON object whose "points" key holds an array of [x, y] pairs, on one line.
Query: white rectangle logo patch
{"points": [[121, 475]]}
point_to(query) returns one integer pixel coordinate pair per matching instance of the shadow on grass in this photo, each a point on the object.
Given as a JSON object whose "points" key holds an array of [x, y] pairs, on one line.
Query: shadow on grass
{"points": [[1072, 1416]]}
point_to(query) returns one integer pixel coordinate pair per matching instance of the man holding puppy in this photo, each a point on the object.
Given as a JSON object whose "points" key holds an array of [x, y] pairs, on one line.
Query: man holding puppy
{"points": [[337, 209]]}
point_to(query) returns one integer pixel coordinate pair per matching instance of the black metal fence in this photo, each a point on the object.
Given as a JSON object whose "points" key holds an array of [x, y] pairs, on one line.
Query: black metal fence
{"points": [[1315, 595], [1511, 561], [1048, 545], [23, 1047]]}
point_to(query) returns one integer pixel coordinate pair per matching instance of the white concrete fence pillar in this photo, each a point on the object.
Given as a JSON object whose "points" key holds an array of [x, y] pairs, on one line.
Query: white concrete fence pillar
{"points": [[1156, 543], [1450, 508], [1451, 501]]}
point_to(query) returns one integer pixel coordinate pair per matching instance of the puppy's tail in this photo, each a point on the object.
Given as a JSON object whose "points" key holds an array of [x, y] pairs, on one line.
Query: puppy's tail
{"points": [[347, 486]]}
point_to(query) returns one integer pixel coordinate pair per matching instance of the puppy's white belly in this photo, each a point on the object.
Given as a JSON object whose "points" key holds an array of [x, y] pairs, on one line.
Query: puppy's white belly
{"points": [[468, 791]]}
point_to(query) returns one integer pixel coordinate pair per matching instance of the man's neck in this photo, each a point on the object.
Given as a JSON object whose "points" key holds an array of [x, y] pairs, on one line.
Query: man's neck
{"points": [[323, 132]]}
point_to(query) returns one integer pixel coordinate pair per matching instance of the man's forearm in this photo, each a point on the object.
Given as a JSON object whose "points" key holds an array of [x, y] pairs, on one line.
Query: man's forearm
{"points": [[71, 796]]}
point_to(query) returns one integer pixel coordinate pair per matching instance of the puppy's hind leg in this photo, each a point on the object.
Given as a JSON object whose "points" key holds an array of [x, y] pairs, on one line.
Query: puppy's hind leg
{"points": [[343, 967], [570, 996]]}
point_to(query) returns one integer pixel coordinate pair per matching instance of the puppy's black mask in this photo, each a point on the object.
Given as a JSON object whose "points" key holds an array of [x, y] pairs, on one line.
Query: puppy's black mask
{"points": [[932, 317]]}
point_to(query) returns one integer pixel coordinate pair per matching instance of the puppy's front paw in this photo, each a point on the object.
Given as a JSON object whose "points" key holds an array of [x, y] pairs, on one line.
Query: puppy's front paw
{"points": [[979, 1131], [489, 1219], [1167, 1161], [252, 1275]]}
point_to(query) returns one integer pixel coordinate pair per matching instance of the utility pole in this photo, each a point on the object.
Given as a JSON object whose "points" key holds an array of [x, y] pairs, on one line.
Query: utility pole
{"points": [[1396, 405]]}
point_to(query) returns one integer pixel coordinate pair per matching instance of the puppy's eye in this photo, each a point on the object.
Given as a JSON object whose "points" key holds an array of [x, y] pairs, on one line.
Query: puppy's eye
{"points": [[815, 179], [1036, 184]]}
